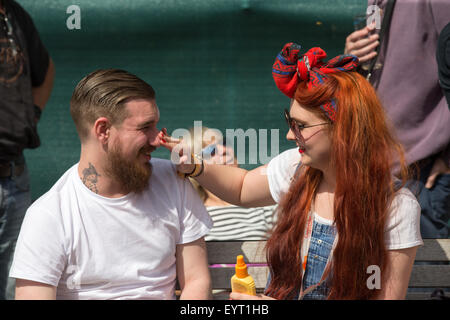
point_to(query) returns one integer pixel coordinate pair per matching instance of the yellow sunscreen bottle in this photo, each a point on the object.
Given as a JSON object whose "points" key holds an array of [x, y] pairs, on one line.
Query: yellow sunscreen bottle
{"points": [[242, 282]]}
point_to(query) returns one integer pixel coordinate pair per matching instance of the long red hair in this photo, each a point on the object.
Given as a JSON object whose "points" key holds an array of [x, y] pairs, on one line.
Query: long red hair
{"points": [[363, 151]]}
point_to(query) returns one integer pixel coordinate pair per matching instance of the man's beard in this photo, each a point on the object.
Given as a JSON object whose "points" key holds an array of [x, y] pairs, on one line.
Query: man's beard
{"points": [[132, 175]]}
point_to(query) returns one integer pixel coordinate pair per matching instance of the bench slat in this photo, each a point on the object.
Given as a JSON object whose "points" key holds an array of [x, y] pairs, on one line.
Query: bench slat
{"points": [[422, 276], [254, 251], [225, 295], [430, 276], [226, 251], [221, 277], [434, 250], [418, 296]]}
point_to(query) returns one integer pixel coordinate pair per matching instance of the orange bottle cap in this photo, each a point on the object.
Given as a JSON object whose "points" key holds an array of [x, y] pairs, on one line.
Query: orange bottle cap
{"points": [[241, 267]]}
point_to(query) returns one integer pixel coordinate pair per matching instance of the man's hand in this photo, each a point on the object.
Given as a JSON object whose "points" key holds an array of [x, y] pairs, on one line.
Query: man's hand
{"points": [[360, 44], [439, 167]]}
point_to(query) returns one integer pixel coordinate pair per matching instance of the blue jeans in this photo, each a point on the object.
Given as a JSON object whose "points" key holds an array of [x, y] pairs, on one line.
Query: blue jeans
{"points": [[15, 198]]}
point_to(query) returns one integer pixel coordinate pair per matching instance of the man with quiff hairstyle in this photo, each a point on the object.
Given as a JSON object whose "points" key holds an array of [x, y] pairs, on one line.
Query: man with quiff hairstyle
{"points": [[119, 224]]}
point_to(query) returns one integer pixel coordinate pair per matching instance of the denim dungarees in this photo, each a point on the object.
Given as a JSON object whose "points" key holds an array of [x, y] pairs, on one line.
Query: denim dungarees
{"points": [[322, 239]]}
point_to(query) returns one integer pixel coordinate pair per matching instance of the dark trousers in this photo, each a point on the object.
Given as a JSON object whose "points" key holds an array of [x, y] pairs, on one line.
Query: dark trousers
{"points": [[435, 202]]}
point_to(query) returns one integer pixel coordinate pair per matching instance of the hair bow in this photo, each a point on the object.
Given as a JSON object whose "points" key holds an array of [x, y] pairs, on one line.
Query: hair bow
{"points": [[290, 68]]}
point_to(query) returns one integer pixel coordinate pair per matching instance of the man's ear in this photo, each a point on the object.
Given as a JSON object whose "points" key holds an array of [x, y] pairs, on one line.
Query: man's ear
{"points": [[102, 128]]}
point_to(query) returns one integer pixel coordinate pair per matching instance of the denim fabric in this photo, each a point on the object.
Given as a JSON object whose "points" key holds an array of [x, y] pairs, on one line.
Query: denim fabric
{"points": [[434, 202], [322, 239], [15, 198]]}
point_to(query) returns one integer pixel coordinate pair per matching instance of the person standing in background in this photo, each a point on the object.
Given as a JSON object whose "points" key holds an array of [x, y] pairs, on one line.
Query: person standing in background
{"points": [[443, 61], [26, 81], [405, 77]]}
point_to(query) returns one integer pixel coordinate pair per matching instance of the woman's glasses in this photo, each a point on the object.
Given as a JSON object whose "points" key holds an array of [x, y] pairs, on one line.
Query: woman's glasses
{"points": [[297, 127]]}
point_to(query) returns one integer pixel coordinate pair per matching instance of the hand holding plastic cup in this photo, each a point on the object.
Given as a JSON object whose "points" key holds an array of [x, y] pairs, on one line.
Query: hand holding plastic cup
{"points": [[363, 41]]}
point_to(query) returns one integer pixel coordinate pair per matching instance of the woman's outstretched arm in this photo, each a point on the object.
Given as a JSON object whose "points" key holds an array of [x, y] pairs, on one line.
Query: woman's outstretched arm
{"points": [[234, 185], [237, 186]]}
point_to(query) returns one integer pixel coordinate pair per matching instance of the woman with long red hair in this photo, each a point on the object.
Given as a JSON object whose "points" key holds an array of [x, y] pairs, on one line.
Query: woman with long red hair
{"points": [[346, 227]]}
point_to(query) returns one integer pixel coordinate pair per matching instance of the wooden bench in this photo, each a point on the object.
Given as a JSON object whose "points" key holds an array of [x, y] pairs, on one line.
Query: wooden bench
{"points": [[430, 275]]}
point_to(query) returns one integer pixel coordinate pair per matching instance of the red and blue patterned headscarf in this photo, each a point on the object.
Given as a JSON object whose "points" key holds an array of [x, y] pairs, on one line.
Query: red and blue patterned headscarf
{"points": [[290, 68]]}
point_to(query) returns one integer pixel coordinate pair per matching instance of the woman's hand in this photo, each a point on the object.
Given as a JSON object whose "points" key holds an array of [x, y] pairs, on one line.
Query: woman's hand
{"points": [[180, 153], [242, 296]]}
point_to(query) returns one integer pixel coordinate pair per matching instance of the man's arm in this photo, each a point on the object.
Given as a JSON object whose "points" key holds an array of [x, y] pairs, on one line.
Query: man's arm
{"points": [[192, 270], [398, 271], [31, 290], [42, 93]]}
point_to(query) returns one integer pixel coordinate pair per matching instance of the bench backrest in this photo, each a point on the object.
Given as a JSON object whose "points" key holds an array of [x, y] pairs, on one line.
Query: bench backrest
{"points": [[222, 257]]}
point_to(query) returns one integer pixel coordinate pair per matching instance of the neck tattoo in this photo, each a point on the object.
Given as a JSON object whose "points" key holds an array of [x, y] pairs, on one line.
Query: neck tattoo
{"points": [[90, 178]]}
